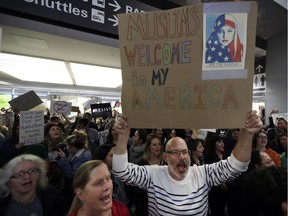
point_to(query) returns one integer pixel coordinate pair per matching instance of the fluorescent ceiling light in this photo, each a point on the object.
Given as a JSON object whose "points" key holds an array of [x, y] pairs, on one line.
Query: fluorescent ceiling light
{"points": [[31, 69], [96, 76], [34, 69]]}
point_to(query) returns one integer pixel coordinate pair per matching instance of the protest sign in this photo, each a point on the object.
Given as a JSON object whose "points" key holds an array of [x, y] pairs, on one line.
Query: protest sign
{"points": [[31, 127], [172, 78], [103, 136], [103, 110], [75, 109], [26, 101], [61, 107], [277, 116]]}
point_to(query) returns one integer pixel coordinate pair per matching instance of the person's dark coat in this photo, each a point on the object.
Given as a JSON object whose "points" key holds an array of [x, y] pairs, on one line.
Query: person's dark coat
{"points": [[53, 202]]}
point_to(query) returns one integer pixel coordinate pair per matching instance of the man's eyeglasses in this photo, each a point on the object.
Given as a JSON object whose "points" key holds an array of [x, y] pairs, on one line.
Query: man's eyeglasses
{"points": [[177, 153], [21, 174]]}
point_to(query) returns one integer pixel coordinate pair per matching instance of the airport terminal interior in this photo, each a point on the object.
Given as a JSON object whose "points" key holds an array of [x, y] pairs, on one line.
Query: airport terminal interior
{"points": [[187, 75], [62, 61]]}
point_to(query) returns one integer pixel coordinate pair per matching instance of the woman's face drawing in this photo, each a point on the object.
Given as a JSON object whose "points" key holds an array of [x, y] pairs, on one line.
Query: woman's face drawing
{"points": [[226, 35]]}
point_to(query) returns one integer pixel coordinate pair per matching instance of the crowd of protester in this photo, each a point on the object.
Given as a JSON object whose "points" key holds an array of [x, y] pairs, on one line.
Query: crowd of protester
{"points": [[72, 169]]}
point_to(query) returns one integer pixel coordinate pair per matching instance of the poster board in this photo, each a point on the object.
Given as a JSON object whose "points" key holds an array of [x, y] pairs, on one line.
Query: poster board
{"points": [[75, 109], [103, 136], [276, 116], [103, 110], [26, 101], [31, 127], [61, 107], [167, 82]]}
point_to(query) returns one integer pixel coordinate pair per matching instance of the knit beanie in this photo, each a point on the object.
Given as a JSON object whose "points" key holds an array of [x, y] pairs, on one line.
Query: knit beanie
{"points": [[47, 127]]}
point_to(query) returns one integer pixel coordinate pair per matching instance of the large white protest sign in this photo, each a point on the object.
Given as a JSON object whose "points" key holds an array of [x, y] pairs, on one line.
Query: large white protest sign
{"points": [[31, 127]]}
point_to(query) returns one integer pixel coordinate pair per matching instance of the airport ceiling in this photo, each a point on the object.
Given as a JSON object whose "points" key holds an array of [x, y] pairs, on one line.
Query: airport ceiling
{"points": [[32, 38]]}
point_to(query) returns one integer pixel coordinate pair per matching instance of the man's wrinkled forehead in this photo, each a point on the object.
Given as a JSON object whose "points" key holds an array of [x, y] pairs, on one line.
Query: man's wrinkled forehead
{"points": [[176, 143]]}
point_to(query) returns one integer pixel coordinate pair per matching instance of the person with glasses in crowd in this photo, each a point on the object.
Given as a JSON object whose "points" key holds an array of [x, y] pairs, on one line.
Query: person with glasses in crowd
{"points": [[178, 188], [260, 159], [24, 189], [261, 143]]}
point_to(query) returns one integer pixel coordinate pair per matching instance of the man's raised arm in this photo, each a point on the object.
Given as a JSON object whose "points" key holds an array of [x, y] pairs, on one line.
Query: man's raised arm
{"points": [[123, 130], [243, 148]]}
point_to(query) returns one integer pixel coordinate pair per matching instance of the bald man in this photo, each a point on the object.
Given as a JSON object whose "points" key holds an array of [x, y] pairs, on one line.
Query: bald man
{"points": [[178, 188]]}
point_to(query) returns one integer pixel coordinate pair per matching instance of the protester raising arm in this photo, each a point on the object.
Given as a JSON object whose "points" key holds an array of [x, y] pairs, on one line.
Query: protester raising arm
{"points": [[242, 150], [253, 125], [122, 127], [179, 188]]}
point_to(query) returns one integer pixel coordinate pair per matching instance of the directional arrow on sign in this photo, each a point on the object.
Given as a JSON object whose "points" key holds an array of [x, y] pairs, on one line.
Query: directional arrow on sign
{"points": [[115, 20], [116, 5], [258, 68]]}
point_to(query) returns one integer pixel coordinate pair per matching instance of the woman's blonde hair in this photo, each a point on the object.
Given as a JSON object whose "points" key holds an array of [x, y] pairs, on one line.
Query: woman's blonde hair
{"points": [[81, 178]]}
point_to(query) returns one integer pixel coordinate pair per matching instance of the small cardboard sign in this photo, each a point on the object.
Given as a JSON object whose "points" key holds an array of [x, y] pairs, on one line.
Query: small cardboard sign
{"points": [[276, 116], [31, 127], [103, 136], [75, 109], [26, 101], [61, 107]]}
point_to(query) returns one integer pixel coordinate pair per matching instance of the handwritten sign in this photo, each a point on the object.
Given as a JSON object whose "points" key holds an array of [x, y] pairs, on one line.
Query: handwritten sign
{"points": [[103, 136], [276, 116], [26, 101], [31, 127], [61, 107], [162, 69]]}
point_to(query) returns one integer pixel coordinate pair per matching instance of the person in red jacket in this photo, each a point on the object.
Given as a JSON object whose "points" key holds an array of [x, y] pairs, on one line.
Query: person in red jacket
{"points": [[93, 188]]}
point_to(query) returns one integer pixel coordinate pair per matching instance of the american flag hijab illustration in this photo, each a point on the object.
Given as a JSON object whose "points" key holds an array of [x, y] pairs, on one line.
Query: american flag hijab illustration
{"points": [[224, 45]]}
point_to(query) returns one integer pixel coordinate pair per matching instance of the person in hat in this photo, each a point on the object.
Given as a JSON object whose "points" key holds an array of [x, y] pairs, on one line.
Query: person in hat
{"points": [[54, 141]]}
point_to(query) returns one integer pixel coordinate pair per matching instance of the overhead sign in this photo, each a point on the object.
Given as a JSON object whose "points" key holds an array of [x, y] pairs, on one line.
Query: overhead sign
{"points": [[260, 66], [259, 80], [99, 15], [171, 76]]}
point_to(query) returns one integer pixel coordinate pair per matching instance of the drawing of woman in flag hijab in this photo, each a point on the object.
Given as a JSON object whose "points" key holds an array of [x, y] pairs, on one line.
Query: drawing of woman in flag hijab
{"points": [[224, 44]]}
